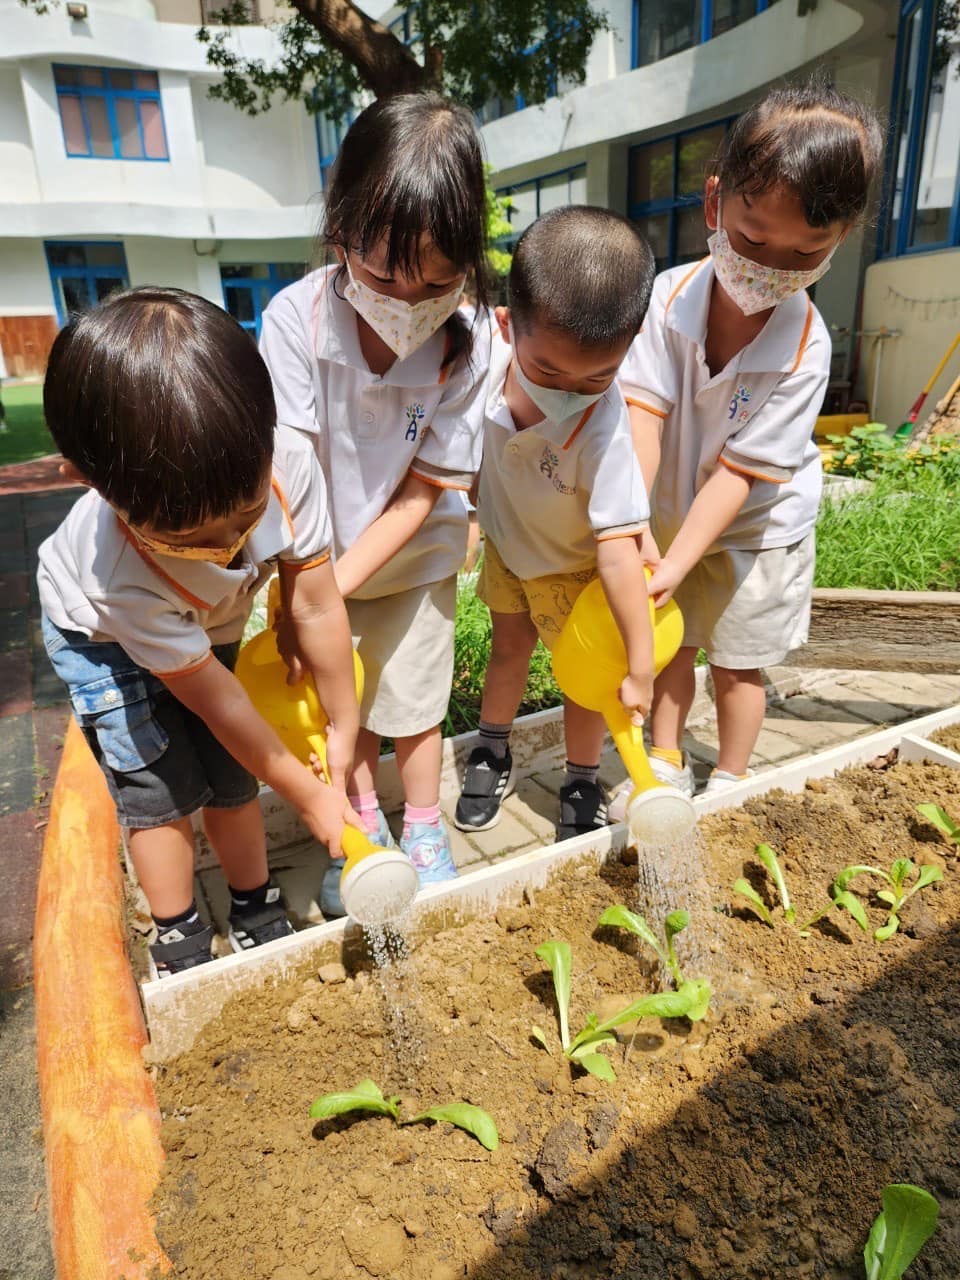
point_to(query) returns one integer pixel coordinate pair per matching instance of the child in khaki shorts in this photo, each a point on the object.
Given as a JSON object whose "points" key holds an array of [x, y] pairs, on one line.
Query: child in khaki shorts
{"points": [[561, 498]]}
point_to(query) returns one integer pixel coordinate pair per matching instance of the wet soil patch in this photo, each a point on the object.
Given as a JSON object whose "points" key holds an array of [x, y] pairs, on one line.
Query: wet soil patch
{"points": [[753, 1145]]}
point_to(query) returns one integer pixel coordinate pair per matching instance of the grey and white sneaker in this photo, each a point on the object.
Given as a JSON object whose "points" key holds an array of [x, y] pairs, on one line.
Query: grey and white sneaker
{"points": [[487, 783], [682, 778], [179, 948]]}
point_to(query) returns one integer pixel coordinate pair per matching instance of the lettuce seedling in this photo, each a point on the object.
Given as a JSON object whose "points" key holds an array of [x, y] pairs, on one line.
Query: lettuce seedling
{"points": [[839, 894], [691, 1001], [623, 918], [897, 894], [949, 829], [899, 1232], [366, 1096]]}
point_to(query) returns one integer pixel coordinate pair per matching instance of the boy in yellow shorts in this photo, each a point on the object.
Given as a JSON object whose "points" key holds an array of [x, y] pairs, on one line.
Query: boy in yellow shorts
{"points": [[561, 496]]}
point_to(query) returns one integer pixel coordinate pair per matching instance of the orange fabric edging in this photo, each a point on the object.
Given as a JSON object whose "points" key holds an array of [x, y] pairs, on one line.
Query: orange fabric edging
{"points": [[100, 1119]]}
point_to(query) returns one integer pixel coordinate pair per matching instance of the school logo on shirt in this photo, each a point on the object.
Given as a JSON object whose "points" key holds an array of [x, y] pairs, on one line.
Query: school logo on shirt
{"points": [[740, 398], [414, 415], [550, 467]]}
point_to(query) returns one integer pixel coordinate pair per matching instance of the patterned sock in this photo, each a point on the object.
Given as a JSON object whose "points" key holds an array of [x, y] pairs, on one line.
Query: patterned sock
{"points": [[495, 737], [581, 772], [428, 814], [367, 806], [244, 899], [669, 755], [187, 921]]}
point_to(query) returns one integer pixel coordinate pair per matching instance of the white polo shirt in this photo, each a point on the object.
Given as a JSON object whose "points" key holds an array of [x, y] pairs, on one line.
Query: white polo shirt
{"points": [[369, 431], [548, 493], [165, 611], [756, 416]]}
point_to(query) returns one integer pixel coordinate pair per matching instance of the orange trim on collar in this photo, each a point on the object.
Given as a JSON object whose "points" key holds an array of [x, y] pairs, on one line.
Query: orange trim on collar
{"points": [[692, 272], [282, 499], [149, 561], [803, 337], [588, 413]]}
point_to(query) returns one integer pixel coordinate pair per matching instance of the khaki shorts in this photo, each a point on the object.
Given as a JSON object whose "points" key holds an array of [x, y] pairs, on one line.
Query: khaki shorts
{"points": [[547, 600], [406, 644], [748, 609]]}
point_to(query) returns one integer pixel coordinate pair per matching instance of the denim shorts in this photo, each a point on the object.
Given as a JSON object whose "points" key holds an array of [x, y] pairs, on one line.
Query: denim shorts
{"points": [[160, 760]]}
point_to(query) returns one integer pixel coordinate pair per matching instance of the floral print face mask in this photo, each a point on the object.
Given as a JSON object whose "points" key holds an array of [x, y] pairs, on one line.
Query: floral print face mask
{"points": [[401, 325], [752, 286]]}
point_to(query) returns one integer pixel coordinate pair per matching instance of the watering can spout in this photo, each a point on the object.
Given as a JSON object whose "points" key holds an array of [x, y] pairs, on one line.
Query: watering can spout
{"points": [[590, 663], [377, 884]]}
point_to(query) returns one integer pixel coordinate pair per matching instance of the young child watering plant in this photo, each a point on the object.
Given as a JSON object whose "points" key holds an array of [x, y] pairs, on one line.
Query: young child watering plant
{"points": [[373, 361], [561, 497], [160, 404], [724, 385]]}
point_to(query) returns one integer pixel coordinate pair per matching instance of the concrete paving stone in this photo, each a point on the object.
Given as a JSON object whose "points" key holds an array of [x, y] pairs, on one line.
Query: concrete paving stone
{"points": [[774, 746], [13, 590], [14, 630], [22, 839], [860, 698], [536, 807], [917, 693], [509, 834], [16, 766], [16, 686], [814, 735], [807, 707], [24, 1232]]}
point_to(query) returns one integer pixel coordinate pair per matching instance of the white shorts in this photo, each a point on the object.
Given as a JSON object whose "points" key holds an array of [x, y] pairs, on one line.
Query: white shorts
{"points": [[748, 609], [405, 641]]}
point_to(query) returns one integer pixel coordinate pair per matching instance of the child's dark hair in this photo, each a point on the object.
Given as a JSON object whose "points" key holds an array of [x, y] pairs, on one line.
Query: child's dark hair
{"points": [[165, 406], [811, 139], [411, 165], [582, 271]]}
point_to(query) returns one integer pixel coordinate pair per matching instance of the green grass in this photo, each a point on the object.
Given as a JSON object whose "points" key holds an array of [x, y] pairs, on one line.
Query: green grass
{"points": [[471, 655], [26, 436], [904, 535]]}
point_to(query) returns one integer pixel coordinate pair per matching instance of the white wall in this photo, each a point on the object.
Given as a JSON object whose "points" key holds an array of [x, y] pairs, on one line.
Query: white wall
{"points": [[19, 173], [25, 288]]}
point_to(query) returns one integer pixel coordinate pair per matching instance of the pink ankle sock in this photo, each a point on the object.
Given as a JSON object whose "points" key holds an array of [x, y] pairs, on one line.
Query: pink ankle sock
{"points": [[429, 814], [366, 806]]}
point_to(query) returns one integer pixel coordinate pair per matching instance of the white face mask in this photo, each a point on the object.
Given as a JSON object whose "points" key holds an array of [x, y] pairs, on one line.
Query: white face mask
{"points": [[752, 286], [401, 325], [554, 404]]}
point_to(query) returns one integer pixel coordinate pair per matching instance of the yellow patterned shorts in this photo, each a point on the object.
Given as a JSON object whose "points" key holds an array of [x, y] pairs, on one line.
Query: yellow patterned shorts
{"points": [[547, 600]]}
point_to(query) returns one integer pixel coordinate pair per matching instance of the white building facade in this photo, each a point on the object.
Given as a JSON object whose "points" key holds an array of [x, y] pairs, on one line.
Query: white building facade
{"points": [[117, 167]]}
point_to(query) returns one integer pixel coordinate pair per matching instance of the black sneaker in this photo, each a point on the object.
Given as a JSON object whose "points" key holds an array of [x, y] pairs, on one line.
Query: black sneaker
{"points": [[263, 922], [583, 808], [487, 783], [181, 947]]}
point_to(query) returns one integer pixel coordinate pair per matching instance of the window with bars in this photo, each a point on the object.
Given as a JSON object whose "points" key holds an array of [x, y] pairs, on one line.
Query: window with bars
{"points": [[83, 273], [249, 286], [111, 113], [539, 195], [665, 192]]}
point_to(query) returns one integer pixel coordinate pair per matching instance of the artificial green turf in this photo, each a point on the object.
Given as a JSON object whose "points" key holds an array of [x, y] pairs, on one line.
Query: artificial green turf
{"points": [[26, 436]]}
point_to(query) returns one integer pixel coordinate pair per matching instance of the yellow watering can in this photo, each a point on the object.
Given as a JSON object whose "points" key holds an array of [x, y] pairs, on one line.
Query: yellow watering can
{"points": [[376, 885], [590, 662]]}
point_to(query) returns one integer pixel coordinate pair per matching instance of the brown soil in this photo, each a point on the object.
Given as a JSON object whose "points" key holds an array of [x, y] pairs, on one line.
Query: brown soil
{"points": [[752, 1146], [949, 737]]}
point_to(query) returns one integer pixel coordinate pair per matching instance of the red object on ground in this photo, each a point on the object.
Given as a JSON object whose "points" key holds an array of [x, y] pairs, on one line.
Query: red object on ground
{"points": [[100, 1118], [41, 473]]}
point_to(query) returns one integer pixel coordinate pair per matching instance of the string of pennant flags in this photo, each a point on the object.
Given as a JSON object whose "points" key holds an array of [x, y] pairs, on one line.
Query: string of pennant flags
{"points": [[930, 307]]}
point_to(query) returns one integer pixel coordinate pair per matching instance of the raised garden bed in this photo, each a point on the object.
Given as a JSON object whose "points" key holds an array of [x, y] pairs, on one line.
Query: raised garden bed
{"points": [[754, 1144]]}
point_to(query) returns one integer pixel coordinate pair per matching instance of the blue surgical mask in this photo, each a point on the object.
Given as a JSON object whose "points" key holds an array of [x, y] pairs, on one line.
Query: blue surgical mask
{"points": [[553, 403]]}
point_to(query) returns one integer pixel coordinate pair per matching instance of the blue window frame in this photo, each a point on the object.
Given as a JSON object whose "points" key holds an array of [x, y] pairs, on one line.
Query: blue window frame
{"points": [[84, 272], [541, 194], [110, 113], [665, 191], [921, 205], [664, 27], [249, 286], [329, 138]]}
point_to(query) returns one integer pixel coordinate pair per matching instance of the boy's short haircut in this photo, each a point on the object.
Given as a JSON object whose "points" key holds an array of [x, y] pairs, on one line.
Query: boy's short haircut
{"points": [[582, 271], [163, 403]]}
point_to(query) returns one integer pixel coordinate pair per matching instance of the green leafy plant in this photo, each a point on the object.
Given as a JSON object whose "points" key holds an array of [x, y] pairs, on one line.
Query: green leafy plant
{"points": [[366, 1096], [584, 1048], [840, 896], [897, 893], [621, 917], [899, 1232], [939, 818]]}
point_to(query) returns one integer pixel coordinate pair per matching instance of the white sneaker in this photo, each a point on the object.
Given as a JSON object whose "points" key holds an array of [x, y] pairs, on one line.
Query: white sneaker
{"points": [[680, 777], [720, 780], [617, 804]]}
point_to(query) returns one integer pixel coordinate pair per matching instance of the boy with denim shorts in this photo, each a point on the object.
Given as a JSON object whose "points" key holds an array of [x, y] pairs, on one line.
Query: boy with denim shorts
{"points": [[561, 498], [161, 405]]}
